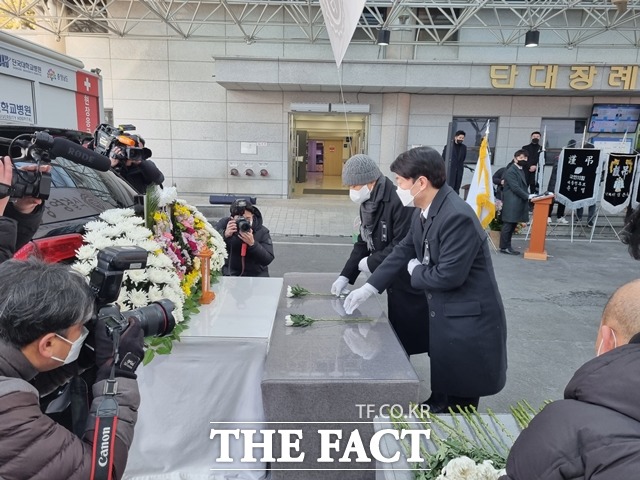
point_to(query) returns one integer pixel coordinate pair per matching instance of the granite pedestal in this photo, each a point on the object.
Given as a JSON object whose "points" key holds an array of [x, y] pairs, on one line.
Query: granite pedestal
{"points": [[331, 373]]}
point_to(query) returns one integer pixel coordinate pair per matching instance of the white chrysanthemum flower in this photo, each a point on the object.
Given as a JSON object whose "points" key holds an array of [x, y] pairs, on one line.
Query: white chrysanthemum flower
{"points": [[116, 215], [112, 231], [137, 276], [138, 298], [94, 225], [289, 291], [157, 275], [83, 268], [287, 321], [85, 252], [154, 293], [148, 245], [91, 236]]}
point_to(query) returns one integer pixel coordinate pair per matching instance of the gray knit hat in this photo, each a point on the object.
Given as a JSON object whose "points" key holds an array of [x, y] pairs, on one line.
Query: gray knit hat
{"points": [[360, 169]]}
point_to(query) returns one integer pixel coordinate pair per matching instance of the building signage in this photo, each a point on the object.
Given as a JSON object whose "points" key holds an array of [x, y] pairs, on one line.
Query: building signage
{"points": [[578, 77], [17, 65]]}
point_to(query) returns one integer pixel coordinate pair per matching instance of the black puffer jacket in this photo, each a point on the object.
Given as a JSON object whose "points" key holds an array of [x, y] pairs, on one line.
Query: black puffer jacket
{"points": [[17, 229], [594, 433], [258, 256], [142, 175], [32, 445]]}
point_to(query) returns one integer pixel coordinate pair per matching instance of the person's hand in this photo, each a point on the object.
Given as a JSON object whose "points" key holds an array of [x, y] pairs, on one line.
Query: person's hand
{"points": [[358, 297], [247, 237], [413, 263], [130, 350], [6, 177], [532, 168], [232, 227], [28, 204], [532, 195], [363, 266], [339, 286]]}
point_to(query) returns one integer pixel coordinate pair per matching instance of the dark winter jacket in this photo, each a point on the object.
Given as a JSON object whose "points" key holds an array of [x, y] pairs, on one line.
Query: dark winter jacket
{"points": [[142, 175], [594, 433], [258, 256], [515, 197], [17, 229], [456, 166], [32, 445], [408, 308]]}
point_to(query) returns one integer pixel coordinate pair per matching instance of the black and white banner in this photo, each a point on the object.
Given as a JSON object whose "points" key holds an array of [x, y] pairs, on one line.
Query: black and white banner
{"points": [[618, 182], [578, 180]]}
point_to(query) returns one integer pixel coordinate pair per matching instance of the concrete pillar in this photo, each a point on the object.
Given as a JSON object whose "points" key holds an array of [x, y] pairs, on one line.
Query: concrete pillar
{"points": [[395, 127]]}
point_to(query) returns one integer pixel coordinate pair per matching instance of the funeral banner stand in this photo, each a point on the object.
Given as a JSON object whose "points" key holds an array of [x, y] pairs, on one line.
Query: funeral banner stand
{"points": [[578, 179], [619, 182], [635, 193]]}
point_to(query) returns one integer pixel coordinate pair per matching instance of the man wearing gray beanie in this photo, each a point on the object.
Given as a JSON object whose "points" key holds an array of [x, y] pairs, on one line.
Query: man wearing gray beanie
{"points": [[384, 221]]}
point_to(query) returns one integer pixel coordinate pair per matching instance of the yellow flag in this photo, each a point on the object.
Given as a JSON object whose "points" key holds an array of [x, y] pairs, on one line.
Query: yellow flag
{"points": [[480, 195]]}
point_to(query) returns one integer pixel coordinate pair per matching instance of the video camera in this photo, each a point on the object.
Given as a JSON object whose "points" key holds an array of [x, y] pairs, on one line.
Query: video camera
{"points": [[155, 319], [106, 137], [40, 148]]}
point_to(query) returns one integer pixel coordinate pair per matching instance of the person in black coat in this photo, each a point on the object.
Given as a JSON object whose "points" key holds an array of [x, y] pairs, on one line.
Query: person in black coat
{"points": [[515, 201], [19, 220], [456, 165], [533, 157], [594, 432], [446, 253], [131, 162], [248, 241], [384, 221]]}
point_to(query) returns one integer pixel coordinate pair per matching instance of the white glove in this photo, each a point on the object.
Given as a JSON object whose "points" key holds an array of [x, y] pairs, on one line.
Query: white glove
{"points": [[413, 263], [533, 195], [338, 287], [363, 266], [358, 297]]}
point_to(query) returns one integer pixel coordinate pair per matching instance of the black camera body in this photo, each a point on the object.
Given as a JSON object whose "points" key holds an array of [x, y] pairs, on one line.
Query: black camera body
{"points": [[237, 210], [106, 137], [155, 319]]}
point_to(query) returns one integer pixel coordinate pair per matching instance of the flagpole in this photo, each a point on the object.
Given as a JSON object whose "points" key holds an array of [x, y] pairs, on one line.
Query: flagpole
{"points": [[541, 162]]}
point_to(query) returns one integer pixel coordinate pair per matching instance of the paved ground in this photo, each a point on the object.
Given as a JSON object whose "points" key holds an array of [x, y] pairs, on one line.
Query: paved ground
{"points": [[553, 308]]}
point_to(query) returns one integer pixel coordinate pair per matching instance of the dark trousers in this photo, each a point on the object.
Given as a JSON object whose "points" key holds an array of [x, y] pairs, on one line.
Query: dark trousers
{"points": [[441, 402], [559, 210], [506, 233]]}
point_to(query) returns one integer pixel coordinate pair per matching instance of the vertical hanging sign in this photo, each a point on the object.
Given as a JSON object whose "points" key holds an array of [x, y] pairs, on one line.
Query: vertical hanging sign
{"points": [[87, 102], [578, 178], [341, 19], [618, 182]]}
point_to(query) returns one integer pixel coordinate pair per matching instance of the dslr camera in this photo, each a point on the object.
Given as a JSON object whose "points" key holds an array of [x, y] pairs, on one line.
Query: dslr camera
{"points": [[106, 137], [237, 210], [155, 319]]}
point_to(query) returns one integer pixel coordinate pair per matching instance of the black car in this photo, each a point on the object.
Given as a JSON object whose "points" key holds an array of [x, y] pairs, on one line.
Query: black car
{"points": [[78, 195]]}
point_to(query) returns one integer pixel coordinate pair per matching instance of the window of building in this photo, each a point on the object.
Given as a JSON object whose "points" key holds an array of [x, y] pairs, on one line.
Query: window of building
{"points": [[475, 129], [560, 133]]}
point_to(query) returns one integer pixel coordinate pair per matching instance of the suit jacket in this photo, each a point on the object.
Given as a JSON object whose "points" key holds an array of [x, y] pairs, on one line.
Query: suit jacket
{"points": [[467, 322]]}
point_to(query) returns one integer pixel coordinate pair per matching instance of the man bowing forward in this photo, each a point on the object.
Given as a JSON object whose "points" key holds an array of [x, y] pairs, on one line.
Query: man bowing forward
{"points": [[447, 255]]}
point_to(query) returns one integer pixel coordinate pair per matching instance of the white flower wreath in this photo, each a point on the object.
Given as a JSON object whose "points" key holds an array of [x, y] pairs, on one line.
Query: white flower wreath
{"points": [[121, 227]]}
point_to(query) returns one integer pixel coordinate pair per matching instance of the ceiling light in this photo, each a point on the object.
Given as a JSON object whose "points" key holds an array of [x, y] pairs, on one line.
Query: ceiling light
{"points": [[532, 38], [384, 36]]}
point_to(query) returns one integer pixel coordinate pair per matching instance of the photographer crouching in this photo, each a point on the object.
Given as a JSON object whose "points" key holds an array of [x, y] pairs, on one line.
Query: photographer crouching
{"points": [[20, 219], [130, 159], [248, 241], [44, 341]]}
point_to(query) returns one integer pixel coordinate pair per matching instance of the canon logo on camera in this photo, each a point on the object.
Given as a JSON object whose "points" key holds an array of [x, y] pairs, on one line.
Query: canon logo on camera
{"points": [[104, 446]]}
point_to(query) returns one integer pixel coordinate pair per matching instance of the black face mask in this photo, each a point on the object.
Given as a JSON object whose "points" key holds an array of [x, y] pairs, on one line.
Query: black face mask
{"points": [[522, 163], [535, 141], [459, 142]]}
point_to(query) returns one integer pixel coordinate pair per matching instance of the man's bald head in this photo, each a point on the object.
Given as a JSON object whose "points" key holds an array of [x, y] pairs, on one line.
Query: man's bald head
{"points": [[622, 312]]}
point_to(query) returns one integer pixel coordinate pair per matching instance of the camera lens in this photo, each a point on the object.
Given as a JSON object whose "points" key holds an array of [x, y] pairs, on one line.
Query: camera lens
{"points": [[156, 319], [243, 224]]}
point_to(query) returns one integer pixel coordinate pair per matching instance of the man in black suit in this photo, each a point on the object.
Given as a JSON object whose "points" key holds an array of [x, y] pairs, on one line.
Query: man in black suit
{"points": [[456, 165], [447, 255]]}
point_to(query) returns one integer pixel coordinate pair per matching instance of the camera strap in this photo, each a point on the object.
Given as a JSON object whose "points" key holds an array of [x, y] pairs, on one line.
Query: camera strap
{"points": [[104, 436]]}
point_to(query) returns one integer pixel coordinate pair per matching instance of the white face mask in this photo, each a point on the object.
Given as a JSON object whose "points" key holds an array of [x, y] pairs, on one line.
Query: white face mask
{"points": [[360, 196], [74, 351], [405, 196], [615, 343]]}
